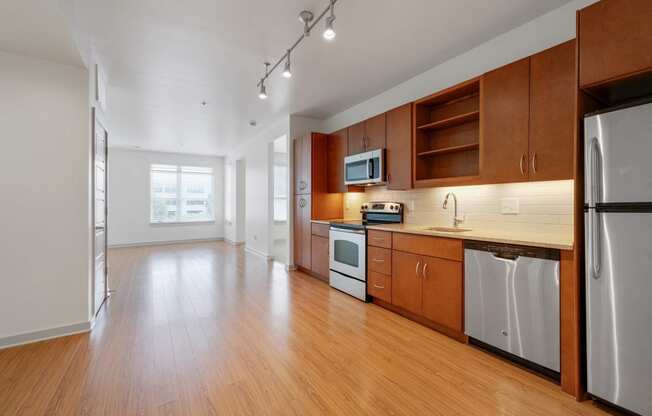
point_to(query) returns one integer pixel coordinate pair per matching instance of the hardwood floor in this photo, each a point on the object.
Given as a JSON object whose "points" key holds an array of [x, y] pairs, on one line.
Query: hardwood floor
{"points": [[206, 329]]}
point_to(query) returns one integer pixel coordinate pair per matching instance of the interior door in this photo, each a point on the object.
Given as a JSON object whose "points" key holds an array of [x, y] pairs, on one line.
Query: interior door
{"points": [[406, 281], [505, 121], [100, 284]]}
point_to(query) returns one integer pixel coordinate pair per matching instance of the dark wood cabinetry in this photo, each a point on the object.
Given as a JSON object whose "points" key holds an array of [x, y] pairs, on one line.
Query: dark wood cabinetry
{"points": [[302, 231], [505, 123], [399, 148], [442, 292], [302, 165], [319, 257], [614, 40], [406, 281], [337, 149], [367, 135], [553, 90]]}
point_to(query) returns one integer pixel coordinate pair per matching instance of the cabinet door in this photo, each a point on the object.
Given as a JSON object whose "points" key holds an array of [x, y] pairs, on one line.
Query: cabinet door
{"points": [[375, 130], [302, 231], [505, 117], [319, 257], [337, 149], [615, 38], [399, 148], [356, 141], [406, 281], [552, 113], [302, 164], [442, 300]]}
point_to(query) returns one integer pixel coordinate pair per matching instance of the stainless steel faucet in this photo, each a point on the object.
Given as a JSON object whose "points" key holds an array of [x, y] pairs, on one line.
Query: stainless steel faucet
{"points": [[456, 220]]}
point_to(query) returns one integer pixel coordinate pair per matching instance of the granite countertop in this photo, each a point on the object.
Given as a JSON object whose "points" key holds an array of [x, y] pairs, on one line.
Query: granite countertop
{"points": [[560, 241]]}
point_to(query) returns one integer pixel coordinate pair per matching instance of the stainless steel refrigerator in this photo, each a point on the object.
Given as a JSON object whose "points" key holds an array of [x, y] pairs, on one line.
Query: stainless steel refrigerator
{"points": [[618, 227]]}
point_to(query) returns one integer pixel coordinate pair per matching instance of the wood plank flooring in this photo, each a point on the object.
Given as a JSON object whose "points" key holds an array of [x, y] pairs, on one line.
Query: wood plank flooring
{"points": [[207, 329]]}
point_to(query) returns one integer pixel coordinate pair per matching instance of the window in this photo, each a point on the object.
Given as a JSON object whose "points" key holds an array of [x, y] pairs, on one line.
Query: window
{"points": [[181, 194], [280, 193], [228, 193]]}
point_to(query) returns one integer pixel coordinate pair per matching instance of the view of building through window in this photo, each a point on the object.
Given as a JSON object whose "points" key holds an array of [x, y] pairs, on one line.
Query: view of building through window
{"points": [[181, 194]]}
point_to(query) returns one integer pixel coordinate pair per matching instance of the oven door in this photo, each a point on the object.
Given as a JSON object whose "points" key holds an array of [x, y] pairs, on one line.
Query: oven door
{"points": [[348, 253], [364, 168]]}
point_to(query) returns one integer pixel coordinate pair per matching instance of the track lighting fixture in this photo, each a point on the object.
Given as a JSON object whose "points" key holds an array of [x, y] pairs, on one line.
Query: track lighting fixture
{"points": [[309, 21], [329, 32], [287, 72]]}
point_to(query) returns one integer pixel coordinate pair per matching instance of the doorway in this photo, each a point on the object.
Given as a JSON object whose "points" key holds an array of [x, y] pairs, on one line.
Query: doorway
{"points": [[280, 179], [100, 153]]}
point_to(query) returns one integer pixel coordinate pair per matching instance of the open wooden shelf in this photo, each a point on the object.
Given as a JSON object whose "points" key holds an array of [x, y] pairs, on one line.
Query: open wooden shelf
{"points": [[450, 149], [451, 121], [447, 135]]}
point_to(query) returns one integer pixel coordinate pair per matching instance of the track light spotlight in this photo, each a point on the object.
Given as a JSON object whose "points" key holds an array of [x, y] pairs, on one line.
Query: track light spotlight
{"points": [[262, 94], [329, 32], [287, 72]]}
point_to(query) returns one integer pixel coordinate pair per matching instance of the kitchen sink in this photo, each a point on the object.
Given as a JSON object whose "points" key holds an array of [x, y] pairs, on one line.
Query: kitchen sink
{"points": [[448, 229]]}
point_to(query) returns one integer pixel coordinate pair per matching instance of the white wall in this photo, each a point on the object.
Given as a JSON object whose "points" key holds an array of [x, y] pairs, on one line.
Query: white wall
{"points": [[539, 34], [45, 210], [129, 198]]}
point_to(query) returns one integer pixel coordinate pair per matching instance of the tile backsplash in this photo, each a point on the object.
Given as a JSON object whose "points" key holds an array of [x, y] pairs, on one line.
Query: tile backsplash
{"points": [[543, 206]]}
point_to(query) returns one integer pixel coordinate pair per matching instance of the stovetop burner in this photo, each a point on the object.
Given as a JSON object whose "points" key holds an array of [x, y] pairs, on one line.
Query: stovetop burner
{"points": [[374, 213]]}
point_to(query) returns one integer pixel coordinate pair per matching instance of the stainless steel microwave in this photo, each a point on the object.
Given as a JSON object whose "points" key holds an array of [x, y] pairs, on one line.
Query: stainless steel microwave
{"points": [[365, 168]]}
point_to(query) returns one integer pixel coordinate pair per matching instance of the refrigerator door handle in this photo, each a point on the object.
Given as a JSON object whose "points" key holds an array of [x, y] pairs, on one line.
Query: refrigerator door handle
{"points": [[594, 168], [595, 245]]}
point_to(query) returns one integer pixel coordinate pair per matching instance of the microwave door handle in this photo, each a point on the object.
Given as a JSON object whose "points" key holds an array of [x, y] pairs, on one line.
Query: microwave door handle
{"points": [[370, 168]]}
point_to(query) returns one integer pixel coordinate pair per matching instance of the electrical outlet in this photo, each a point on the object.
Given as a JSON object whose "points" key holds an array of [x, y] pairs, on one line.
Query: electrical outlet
{"points": [[509, 206]]}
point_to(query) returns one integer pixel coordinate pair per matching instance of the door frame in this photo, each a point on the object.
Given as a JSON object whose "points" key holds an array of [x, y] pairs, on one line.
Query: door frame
{"points": [[97, 118]]}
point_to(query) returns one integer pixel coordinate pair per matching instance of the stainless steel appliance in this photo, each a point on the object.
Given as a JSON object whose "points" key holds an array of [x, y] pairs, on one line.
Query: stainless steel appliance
{"points": [[365, 168], [618, 227], [512, 300], [348, 246]]}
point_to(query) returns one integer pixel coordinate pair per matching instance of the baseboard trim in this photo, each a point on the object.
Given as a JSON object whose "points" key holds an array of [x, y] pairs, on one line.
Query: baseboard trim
{"points": [[45, 334], [258, 253], [233, 243], [165, 243]]}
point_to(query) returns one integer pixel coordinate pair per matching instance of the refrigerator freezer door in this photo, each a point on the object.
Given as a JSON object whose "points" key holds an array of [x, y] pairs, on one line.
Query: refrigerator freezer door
{"points": [[619, 311], [621, 142]]}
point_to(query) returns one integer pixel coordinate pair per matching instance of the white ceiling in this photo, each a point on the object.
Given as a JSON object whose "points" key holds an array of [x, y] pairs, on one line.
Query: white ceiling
{"points": [[164, 57]]}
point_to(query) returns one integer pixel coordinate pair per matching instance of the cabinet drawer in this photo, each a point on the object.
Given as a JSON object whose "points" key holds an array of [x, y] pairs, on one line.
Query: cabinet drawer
{"points": [[379, 286], [379, 238], [379, 260], [445, 248], [320, 229]]}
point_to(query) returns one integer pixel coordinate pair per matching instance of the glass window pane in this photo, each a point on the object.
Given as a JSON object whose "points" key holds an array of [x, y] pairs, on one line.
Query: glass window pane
{"points": [[163, 193], [280, 209], [346, 252], [196, 194], [228, 190]]}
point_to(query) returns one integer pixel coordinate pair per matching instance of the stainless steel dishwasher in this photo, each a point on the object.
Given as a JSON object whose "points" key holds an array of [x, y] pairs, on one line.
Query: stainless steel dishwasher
{"points": [[511, 298]]}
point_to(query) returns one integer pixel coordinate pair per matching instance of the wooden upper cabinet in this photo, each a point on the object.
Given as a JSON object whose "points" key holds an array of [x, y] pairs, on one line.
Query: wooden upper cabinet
{"points": [[302, 231], [302, 165], [442, 295], [504, 118], [356, 139], [337, 150], [406, 281], [367, 135], [375, 132], [552, 113], [399, 148], [615, 38]]}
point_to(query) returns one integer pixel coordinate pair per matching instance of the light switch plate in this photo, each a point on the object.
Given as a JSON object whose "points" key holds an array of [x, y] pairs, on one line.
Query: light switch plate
{"points": [[509, 206]]}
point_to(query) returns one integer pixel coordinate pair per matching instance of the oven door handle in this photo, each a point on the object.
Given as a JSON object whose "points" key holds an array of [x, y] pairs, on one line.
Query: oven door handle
{"points": [[341, 230]]}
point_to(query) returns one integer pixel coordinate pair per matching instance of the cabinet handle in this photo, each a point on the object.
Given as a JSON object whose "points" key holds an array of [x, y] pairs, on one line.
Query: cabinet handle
{"points": [[378, 287], [378, 260], [534, 162], [521, 164], [416, 270], [423, 272]]}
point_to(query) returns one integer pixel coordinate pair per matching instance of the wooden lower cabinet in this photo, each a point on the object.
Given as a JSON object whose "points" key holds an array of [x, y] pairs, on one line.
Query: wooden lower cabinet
{"points": [[441, 289], [429, 287], [379, 286], [302, 231], [406, 281], [319, 251]]}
